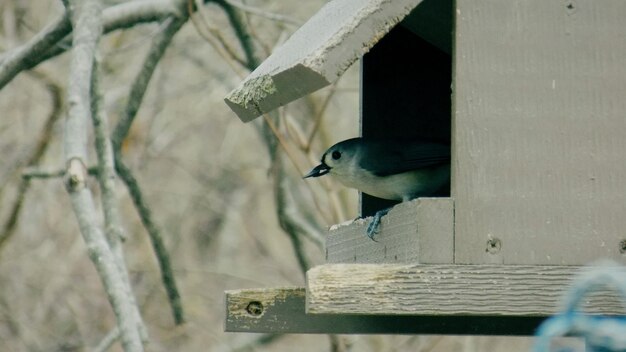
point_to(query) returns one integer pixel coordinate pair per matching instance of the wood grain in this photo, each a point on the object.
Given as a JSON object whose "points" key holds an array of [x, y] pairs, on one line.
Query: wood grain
{"points": [[284, 312], [539, 132], [475, 290], [418, 231]]}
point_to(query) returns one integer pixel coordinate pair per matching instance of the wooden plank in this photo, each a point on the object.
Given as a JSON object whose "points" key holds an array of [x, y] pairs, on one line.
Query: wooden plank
{"points": [[539, 131], [418, 231], [474, 290], [282, 310], [317, 53]]}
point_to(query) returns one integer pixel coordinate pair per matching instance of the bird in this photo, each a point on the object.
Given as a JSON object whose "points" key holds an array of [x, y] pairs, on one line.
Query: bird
{"points": [[393, 169]]}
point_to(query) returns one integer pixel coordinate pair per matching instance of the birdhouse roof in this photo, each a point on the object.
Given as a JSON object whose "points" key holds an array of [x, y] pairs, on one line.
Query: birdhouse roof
{"points": [[320, 51]]}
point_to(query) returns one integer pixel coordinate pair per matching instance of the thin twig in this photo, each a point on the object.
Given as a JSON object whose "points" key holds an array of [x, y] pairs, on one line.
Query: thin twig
{"points": [[317, 119], [242, 33], [160, 43], [55, 39], [140, 84], [282, 142], [9, 226], [266, 14], [106, 167], [32, 172], [291, 157], [106, 178], [291, 228], [108, 340], [165, 266], [56, 94], [270, 134], [87, 25], [268, 130], [211, 35], [14, 61]]}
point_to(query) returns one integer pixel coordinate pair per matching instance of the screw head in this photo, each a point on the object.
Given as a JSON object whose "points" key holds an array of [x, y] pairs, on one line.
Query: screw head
{"points": [[255, 308], [493, 245], [571, 7]]}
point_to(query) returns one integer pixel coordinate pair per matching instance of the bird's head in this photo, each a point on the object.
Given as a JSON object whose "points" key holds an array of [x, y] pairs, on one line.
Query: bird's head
{"points": [[338, 159]]}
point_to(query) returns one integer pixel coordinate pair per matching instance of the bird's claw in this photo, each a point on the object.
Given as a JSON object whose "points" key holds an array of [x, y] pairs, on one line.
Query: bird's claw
{"points": [[374, 226]]}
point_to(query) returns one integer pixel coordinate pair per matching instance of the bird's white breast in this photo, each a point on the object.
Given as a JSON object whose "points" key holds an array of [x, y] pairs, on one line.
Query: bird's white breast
{"points": [[404, 186]]}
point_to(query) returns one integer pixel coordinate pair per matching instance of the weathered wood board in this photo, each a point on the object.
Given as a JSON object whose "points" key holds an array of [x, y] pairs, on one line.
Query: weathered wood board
{"points": [[539, 131], [419, 231], [317, 54], [447, 290], [282, 310]]}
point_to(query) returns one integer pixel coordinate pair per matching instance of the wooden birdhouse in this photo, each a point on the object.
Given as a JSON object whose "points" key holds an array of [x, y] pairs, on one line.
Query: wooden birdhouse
{"points": [[531, 94]]}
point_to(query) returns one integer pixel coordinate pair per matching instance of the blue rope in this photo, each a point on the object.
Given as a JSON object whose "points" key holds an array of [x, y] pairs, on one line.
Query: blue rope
{"points": [[602, 333]]}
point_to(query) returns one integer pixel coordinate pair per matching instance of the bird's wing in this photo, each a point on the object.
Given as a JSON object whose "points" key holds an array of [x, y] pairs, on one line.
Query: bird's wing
{"points": [[400, 156]]}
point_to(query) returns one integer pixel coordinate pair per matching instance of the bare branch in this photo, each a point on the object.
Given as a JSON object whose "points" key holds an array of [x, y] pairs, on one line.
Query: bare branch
{"points": [[269, 15], [106, 178], [137, 91], [167, 274], [292, 228], [27, 55], [55, 91], [287, 220], [50, 42], [270, 134], [242, 33], [106, 167], [214, 37], [282, 142], [87, 24], [136, 95], [32, 172], [8, 228], [131, 13], [56, 94], [318, 117], [108, 340]]}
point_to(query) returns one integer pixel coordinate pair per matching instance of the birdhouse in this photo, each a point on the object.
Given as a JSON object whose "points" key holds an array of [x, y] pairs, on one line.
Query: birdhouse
{"points": [[531, 97]]}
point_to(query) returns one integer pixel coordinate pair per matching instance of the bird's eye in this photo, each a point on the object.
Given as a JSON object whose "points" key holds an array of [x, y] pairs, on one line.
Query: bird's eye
{"points": [[336, 155]]}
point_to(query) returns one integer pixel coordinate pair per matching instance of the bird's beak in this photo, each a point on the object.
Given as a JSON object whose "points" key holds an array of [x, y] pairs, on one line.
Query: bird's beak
{"points": [[320, 170]]}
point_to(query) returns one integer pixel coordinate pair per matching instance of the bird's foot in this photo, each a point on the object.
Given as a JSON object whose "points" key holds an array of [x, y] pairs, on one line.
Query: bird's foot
{"points": [[374, 226]]}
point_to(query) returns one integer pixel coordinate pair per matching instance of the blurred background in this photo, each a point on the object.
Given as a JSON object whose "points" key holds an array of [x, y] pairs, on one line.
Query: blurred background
{"points": [[213, 185]]}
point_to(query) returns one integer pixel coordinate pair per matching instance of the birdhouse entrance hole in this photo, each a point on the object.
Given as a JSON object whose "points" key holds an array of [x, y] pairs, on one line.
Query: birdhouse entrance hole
{"points": [[406, 84]]}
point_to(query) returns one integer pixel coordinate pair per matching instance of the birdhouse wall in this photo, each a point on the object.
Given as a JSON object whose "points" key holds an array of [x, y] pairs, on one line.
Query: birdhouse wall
{"points": [[539, 131]]}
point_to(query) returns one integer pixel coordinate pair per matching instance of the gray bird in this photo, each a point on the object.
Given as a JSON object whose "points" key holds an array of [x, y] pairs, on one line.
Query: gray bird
{"points": [[389, 169]]}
